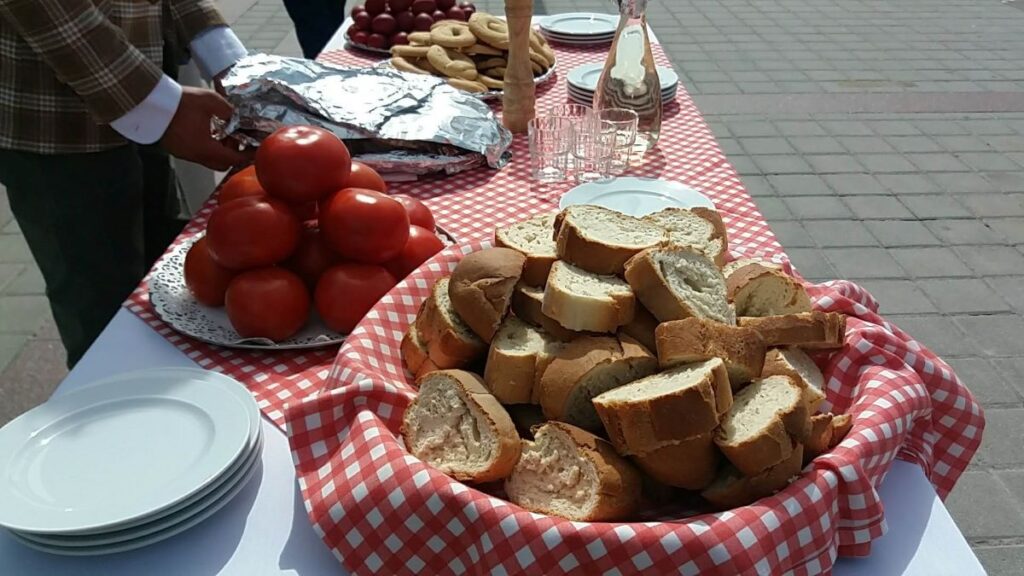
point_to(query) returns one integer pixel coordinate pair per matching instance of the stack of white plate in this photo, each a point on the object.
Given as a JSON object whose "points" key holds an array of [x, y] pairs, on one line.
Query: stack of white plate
{"points": [[127, 461], [583, 82], [579, 28]]}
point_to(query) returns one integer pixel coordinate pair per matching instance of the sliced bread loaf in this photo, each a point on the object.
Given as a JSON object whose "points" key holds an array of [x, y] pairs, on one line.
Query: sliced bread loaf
{"points": [[642, 327], [758, 290], [735, 265], [841, 426], [676, 282], [690, 463], [795, 363], [695, 339], [481, 288], [415, 355], [811, 330], [820, 438], [600, 240], [512, 361], [528, 305], [758, 431], [458, 427], [673, 405], [534, 239], [526, 417], [584, 301], [573, 474], [586, 367], [700, 228], [732, 489], [450, 342]]}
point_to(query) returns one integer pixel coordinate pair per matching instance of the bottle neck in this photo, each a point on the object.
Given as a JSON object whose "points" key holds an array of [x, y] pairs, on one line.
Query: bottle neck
{"points": [[633, 9]]}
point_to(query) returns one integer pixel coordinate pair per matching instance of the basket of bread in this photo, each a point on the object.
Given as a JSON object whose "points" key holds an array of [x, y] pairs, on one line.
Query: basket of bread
{"points": [[595, 392]]}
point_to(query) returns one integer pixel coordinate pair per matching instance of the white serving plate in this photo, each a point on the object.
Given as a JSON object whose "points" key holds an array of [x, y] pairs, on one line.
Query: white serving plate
{"points": [[586, 76], [118, 451], [577, 24], [635, 196]]}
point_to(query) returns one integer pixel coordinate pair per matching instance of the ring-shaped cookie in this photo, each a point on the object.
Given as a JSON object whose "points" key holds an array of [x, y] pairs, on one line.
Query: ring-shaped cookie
{"points": [[489, 29], [492, 83], [419, 38], [491, 63], [496, 73], [404, 65], [452, 36], [406, 51], [468, 85], [451, 63], [481, 49]]}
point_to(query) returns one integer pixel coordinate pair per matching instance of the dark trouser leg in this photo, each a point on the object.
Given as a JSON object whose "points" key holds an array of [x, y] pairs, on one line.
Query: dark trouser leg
{"points": [[159, 203], [315, 22], [82, 216]]}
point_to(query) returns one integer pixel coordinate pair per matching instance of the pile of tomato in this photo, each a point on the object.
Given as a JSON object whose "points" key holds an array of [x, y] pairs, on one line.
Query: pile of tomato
{"points": [[305, 227]]}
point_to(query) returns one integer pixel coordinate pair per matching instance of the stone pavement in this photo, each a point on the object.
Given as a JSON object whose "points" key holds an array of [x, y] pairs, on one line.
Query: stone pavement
{"points": [[882, 139]]}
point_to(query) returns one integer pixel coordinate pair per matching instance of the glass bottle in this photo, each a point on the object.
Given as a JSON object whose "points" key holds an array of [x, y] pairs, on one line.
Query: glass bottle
{"points": [[630, 77]]}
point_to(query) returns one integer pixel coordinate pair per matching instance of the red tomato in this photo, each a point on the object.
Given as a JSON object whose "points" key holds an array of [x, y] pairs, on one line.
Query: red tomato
{"points": [[346, 292], [305, 211], [206, 280], [242, 184], [302, 163], [362, 176], [267, 303], [252, 233], [422, 245], [312, 257], [364, 225], [419, 214]]}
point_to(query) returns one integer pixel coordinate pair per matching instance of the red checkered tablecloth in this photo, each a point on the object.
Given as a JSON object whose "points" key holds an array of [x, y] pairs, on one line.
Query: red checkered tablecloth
{"points": [[382, 511]]}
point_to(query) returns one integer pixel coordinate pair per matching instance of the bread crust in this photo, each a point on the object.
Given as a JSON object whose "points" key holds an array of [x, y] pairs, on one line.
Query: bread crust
{"points": [[776, 363], [588, 314], [690, 463], [593, 255], [481, 288], [652, 288], [510, 377], [644, 424], [528, 306], [732, 490], [445, 346], [535, 272], [743, 280], [841, 426], [820, 437], [696, 339], [642, 327], [775, 442], [813, 330], [508, 445], [414, 354]]}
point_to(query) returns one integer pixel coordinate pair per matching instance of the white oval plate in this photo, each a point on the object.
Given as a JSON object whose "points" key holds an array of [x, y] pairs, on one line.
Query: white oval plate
{"points": [[635, 196], [580, 24], [120, 450], [586, 76], [207, 509]]}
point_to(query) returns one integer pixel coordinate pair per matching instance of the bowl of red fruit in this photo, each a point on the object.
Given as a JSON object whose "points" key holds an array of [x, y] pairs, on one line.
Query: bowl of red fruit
{"points": [[378, 25]]}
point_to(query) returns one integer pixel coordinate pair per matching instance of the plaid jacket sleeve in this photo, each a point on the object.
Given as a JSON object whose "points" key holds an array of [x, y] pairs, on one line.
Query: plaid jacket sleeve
{"points": [[86, 52], [193, 16]]}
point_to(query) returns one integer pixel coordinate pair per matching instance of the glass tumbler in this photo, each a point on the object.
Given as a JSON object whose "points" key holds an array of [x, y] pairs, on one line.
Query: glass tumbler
{"points": [[574, 111], [624, 123], [550, 138], [593, 144]]}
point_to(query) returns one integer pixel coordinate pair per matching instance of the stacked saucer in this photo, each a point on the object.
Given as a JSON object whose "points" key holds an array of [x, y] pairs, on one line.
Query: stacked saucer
{"points": [[127, 461], [580, 28], [583, 82]]}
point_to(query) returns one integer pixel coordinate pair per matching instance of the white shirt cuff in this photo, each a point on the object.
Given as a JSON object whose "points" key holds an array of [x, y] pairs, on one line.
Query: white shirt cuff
{"points": [[215, 50], [147, 122]]}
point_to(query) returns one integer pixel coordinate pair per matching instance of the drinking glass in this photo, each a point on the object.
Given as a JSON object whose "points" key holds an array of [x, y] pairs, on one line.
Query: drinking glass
{"points": [[593, 143], [623, 122], [550, 138], [574, 111]]}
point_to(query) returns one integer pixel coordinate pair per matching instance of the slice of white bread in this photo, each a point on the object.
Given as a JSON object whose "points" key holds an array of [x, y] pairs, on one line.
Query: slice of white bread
{"points": [[811, 330], [766, 416], [534, 239], [450, 342], [690, 463], [458, 427], [414, 353], [758, 290], [701, 228], [676, 282], [735, 265], [481, 288], [600, 240], [512, 361], [571, 473], [795, 363], [695, 339], [642, 327], [583, 301], [731, 489], [528, 305], [673, 405], [587, 367]]}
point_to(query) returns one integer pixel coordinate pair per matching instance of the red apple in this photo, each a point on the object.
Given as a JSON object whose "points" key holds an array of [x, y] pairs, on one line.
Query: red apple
{"points": [[406, 21], [375, 7], [351, 32], [399, 39], [399, 5], [377, 41], [384, 24], [423, 6], [456, 13], [438, 15], [423, 22], [356, 10], [469, 8], [362, 20], [360, 38], [444, 4]]}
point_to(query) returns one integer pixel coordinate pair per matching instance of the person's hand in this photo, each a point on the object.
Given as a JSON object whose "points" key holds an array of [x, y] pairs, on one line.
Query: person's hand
{"points": [[188, 136]]}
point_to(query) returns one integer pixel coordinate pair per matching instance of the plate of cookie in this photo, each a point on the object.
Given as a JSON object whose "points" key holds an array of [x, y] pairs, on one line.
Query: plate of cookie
{"points": [[472, 55]]}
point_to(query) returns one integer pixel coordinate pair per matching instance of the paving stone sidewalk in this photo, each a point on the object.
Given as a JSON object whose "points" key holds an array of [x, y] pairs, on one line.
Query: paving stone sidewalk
{"points": [[884, 142]]}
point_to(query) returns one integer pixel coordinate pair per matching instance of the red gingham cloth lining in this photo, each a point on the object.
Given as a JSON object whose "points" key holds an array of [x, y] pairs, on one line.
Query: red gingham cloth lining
{"points": [[382, 511]]}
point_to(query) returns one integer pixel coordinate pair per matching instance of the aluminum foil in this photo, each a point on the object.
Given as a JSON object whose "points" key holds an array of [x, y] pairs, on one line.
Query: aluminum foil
{"points": [[394, 121]]}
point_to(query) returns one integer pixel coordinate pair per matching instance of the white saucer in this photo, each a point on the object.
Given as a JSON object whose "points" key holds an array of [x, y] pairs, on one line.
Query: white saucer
{"points": [[635, 196], [576, 24], [586, 76]]}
